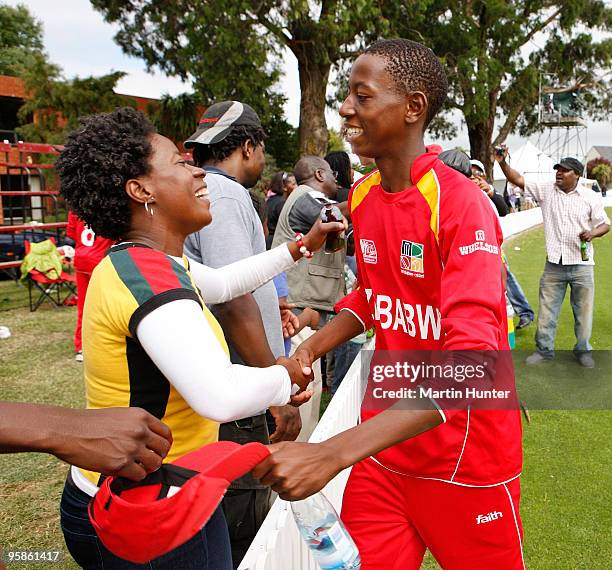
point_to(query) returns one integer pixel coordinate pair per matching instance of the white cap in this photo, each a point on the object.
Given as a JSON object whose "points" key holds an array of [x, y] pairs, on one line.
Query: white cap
{"points": [[478, 164]]}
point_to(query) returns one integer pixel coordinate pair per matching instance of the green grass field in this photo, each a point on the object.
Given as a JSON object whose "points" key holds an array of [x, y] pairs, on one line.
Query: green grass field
{"points": [[567, 476]]}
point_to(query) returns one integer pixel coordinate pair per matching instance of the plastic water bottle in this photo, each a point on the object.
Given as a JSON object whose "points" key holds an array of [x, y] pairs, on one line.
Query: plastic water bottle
{"points": [[330, 543]]}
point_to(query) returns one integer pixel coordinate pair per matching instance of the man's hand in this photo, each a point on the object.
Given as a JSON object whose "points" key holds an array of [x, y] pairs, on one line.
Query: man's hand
{"points": [[304, 356], [300, 374], [483, 185], [288, 423], [127, 442], [586, 235], [501, 157], [297, 470], [289, 321]]}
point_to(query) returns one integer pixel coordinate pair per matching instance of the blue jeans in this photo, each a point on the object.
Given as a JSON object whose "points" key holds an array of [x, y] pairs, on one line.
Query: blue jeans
{"points": [[209, 549], [553, 285], [345, 354], [517, 298]]}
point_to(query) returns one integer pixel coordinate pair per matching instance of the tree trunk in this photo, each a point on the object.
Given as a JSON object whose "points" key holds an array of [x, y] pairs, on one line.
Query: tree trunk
{"points": [[480, 136], [314, 76]]}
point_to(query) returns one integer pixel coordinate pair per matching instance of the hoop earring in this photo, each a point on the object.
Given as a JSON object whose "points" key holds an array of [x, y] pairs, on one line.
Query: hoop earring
{"points": [[146, 207]]}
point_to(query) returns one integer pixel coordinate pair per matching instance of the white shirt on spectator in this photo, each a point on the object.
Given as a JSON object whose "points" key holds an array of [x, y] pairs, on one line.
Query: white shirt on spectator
{"points": [[566, 216]]}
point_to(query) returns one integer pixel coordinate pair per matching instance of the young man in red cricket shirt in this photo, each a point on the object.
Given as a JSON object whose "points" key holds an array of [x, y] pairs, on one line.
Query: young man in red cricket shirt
{"points": [[430, 272]]}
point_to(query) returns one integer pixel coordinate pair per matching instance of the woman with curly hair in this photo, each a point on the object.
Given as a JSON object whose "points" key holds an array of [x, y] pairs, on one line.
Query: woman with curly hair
{"points": [[148, 339]]}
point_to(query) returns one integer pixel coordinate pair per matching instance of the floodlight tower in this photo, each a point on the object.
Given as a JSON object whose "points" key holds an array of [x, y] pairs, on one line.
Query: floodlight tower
{"points": [[563, 131]]}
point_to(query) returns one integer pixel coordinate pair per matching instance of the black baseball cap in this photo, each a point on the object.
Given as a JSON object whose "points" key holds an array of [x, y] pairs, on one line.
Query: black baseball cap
{"points": [[457, 160], [219, 120], [570, 164]]}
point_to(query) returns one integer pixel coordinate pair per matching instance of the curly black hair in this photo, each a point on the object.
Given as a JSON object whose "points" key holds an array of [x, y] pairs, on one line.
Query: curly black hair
{"points": [[213, 153], [414, 67], [99, 158]]}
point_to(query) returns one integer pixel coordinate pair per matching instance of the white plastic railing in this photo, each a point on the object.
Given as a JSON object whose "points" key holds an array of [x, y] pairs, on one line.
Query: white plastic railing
{"points": [[278, 545]]}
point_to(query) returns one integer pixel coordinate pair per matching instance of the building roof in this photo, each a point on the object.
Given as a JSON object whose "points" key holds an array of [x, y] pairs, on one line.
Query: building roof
{"points": [[604, 151]]}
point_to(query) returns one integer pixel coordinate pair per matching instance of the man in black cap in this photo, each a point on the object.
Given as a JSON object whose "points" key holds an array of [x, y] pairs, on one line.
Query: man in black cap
{"points": [[229, 144], [573, 216]]}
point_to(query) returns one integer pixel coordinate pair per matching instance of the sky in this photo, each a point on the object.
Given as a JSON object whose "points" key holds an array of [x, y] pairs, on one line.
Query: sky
{"points": [[77, 38]]}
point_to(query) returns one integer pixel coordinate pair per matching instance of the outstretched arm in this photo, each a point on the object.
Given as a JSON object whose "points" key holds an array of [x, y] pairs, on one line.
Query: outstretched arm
{"points": [[241, 277], [128, 442], [512, 175], [297, 470]]}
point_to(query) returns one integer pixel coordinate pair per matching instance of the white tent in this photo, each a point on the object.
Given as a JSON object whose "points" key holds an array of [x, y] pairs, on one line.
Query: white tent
{"points": [[531, 162]]}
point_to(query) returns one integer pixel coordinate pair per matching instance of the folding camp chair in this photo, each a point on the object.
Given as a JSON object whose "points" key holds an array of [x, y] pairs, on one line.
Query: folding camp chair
{"points": [[52, 285]]}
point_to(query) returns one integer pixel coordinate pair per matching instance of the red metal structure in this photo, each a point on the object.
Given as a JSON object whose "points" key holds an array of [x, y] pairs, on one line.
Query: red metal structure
{"points": [[28, 211]]}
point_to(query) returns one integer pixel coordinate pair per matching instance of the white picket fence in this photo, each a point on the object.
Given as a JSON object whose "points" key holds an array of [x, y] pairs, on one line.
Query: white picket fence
{"points": [[278, 545]]}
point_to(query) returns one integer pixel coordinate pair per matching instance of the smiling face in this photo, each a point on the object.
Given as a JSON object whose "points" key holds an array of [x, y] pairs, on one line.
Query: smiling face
{"points": [[178, 189], [376, 113], [566, 179]]}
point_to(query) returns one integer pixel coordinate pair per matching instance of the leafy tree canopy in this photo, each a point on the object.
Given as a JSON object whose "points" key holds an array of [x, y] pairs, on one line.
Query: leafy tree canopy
{"points": [[20, 39], [233, 49], [55, 104], [497, 52]]}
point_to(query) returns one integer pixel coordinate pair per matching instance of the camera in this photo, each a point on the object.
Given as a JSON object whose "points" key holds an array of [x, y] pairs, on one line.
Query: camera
{"points": [[500, 150]]}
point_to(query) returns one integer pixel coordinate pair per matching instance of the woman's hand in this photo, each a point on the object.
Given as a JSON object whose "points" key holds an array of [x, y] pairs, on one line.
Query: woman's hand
{"points": [[315, 238], [300, 374], [297, 470]]}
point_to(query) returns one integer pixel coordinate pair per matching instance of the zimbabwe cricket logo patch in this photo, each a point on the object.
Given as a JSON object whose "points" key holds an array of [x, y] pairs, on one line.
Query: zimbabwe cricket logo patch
{"points": [[411, 259]]}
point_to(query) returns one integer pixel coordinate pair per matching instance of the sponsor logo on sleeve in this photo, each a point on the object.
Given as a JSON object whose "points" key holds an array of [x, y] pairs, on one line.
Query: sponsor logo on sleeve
{"points": [[368, 250], [479, 245], [87, 236], [411, 259]]}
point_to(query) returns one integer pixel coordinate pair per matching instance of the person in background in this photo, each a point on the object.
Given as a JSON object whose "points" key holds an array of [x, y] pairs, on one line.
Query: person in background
{"points": [[458, 160], [480, 178], [281, 186], [343, 356], [340, 163], [318, 284], [89, 250], [229, 144], [573, 216]]}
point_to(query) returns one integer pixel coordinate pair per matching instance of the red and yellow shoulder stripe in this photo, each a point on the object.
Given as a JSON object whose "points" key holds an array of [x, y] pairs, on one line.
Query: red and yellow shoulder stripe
{"points": [[361, 189], [428, 185]]}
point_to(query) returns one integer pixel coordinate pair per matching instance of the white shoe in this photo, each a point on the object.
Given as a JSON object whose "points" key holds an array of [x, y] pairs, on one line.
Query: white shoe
{"points": [[79, 356]]}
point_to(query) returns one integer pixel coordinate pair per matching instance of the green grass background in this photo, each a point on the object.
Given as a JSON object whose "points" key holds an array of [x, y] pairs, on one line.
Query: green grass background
{"points": [[567, 475]]}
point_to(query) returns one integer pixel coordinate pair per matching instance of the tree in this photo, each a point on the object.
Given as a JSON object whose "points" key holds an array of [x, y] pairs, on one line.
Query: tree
{"points": [[176, 117], [54, 104], [232, 49], [603, 175], [20, 39], [496, 52], [590, 166]]}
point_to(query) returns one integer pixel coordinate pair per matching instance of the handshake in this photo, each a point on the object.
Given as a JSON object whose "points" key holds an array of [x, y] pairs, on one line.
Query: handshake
{"points": [[299, 367]]}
